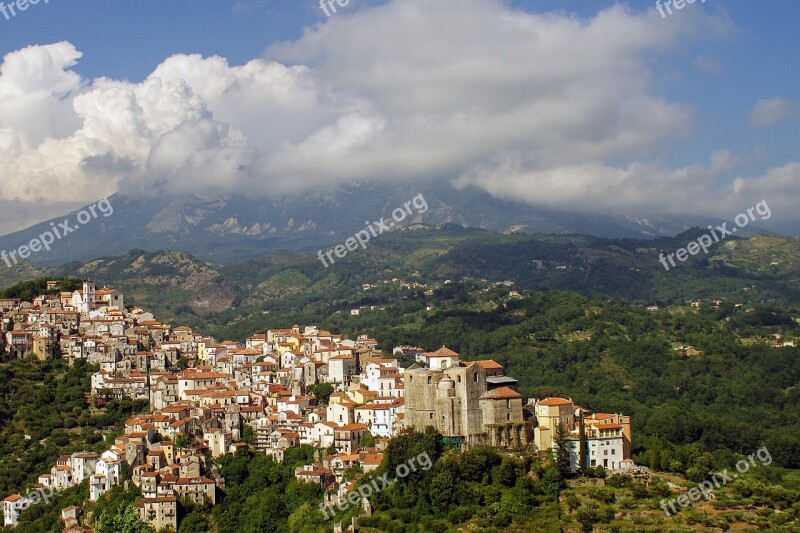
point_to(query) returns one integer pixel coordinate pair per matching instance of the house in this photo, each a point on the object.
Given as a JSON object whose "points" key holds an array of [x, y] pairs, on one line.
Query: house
{"points": [[340, 369], [109, 297], [383, 376], [315, 473], [501, 412], [219, 442], [20, 342], [98, 485], [199, 490], [605, 446], [551, 413], [412, 352], [380, 418], [161, 512], [607, 436], [348, 437], [440, 359], [12, 507], [70, 516], [340, 412]]}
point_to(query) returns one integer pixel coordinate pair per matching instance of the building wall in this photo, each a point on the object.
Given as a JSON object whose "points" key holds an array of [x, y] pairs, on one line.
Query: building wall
{"points": [[448, 400], [501, 411]]}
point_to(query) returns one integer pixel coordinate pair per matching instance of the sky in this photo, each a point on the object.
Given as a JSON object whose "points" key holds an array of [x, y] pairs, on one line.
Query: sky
{"points": [[599, 106]]}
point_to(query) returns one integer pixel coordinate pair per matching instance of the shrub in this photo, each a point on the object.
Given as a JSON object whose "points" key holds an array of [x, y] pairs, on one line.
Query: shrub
{"points": [[602, 495], [619, 481]]}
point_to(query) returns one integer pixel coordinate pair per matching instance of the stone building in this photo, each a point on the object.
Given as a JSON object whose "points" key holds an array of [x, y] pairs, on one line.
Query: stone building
{"points": [[456, 401], [501, 410]]}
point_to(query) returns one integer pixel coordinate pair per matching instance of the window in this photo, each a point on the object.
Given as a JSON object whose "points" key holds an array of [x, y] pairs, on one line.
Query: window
{"points": [[429, 380], [431, 416], [605, 452], [508, 403], [475, 375], [613, 451], [508, 416], [459, 379]]}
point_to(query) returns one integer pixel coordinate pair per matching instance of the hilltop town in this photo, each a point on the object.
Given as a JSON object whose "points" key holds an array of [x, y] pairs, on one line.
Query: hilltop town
{"points": [[282, 389]]}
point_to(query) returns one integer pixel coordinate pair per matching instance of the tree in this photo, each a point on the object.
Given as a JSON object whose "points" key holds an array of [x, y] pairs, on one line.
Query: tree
{"points": [[552, 482], [194, 522], [322, 391], [353, 471], [561, 452], [367, 441], [581, 443], [306, 519], [655, 456], [181, 441], [587, 515], [127, 521], [247, 434]]}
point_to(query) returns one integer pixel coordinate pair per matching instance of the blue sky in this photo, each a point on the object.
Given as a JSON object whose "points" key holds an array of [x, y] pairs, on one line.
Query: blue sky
{"points": [[697, 77]]}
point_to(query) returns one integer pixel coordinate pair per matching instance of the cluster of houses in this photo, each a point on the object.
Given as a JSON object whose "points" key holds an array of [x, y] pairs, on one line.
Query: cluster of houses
{"points": [[207, 398]]}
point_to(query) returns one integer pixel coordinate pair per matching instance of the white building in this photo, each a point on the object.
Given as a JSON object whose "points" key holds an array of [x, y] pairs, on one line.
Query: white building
{"points": [[340, 369], [379, 418], [604, 447], [12, 507], [384, 377]]}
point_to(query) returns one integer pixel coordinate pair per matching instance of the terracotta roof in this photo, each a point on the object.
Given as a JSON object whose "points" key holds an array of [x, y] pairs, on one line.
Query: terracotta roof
{"points": [[442, 352], [608, 426], [372, 458], [352, 427], [554, 401], [501, 394], [490, 364]]}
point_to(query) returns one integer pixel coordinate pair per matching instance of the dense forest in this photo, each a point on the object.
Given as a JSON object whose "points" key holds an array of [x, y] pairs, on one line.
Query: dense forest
{"points": [[44, 413]]}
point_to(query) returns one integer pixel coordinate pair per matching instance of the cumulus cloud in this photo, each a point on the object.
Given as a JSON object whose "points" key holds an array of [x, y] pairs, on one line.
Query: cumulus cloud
{"points": [[774, 111], [541, 107]]}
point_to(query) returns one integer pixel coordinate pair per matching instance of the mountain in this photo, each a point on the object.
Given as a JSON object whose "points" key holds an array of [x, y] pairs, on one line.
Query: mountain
{"points": [[235, 298], [164, 282], [24, 270], [223, 229]]}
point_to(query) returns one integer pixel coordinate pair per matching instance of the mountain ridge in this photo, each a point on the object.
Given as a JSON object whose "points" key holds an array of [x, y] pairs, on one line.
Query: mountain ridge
{"points": [[221, 229]]}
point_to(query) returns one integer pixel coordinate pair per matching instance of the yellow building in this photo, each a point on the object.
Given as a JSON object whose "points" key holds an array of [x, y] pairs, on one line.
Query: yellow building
{"points": [[550, 413]]}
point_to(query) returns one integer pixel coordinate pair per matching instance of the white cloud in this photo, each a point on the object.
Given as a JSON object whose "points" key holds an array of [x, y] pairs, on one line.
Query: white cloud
{"points": [[547, 108], [774, 111]]}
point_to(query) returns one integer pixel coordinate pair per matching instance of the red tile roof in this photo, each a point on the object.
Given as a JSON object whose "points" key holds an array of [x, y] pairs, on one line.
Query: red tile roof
{"points": [[501, 394]]}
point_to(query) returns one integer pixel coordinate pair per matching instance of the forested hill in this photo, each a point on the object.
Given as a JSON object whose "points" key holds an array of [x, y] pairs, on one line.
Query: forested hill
{"points": [[759, 269]]}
